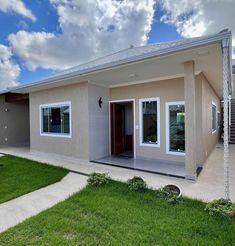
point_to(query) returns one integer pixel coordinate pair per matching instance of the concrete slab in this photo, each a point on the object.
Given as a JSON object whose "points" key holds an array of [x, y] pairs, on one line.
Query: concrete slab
{"points": [[208, 186], [28, 205]]}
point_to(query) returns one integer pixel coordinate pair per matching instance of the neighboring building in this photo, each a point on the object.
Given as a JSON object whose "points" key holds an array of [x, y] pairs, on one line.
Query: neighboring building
{"points": [[159, 104]]}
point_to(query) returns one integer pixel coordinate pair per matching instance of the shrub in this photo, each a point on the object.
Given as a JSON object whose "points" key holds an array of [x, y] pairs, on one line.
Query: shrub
{"points": [[222, 207], [98, 179], [136, 184]]}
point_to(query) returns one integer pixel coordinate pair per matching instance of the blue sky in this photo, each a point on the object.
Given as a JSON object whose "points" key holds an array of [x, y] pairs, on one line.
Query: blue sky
{"points": [[45, 36], [47, 20]]}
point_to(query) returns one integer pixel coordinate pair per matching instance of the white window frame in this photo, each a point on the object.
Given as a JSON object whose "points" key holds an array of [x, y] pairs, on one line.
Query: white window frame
{"points": [[168, 151], [152, 99], [216, 123], [54, 105]]}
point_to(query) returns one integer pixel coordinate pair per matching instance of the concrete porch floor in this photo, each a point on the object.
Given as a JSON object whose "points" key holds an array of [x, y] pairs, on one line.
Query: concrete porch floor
{"points": [[208, 186], [168, 168]]}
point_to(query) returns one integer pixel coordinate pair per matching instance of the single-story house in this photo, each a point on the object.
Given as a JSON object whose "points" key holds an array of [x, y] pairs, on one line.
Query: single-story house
{"points": [[148, 106]]}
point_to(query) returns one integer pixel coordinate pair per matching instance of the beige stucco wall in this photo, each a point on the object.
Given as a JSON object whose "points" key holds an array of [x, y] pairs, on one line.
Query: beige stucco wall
{"points": [[98, 122], [78, 144], [168, 91], [14, 123], [90, 124], [209, 139]]}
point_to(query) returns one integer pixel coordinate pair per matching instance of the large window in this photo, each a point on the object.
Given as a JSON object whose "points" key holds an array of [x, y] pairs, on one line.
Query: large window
{"points": [[149, 122], [56, 119], [214, 117], [175, 130]]}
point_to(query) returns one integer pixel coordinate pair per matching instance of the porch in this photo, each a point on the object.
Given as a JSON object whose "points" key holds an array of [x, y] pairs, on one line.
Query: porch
{"points": [[163, 167]]}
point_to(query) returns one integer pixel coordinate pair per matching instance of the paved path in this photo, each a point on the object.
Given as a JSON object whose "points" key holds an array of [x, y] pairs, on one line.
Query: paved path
{"points": [[208, 186], [21, 208]]}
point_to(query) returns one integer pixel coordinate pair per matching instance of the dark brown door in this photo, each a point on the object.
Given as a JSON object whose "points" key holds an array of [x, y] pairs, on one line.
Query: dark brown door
{"points": [[117, 129]]}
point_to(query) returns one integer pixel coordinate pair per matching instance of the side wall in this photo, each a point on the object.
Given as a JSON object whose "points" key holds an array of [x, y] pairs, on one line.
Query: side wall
{"points": [[78, 144], [98, 121], [209, 139], [14, 123]]}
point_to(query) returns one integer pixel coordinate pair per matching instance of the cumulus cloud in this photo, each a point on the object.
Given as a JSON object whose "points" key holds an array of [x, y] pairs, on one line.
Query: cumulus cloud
{"points": [[88, 29], [9, 71], [16, 6], [199, 17]]}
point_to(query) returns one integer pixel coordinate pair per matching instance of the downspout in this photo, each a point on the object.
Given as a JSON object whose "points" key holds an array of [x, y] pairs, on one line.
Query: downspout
{"points": [[225, 47], [230, 112]]}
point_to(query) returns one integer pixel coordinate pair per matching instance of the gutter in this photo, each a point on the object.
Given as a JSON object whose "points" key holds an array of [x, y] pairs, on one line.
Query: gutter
{"points": [[168, 51]]}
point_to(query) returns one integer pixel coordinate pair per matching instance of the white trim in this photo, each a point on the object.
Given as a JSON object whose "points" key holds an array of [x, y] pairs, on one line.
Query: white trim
{"points": [[168, 128], [134, 130], [53, 105], [216, 123], [152, 99]]}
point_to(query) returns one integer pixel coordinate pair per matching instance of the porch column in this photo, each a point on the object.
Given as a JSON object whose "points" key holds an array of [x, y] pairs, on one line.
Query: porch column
{"points": [[190, 120]]}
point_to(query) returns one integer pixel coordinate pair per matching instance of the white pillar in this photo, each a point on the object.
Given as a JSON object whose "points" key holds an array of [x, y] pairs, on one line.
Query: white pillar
{"points": [[226, 116]]}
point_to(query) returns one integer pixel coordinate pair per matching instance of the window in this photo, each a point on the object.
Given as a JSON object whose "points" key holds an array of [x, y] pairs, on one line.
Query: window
{"points": [[56, 119], [175, 128], [214, 117], [218, 119], [150, 122]]}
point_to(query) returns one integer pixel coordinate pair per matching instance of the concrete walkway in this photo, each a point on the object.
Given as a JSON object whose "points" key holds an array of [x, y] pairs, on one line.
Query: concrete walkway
{"points": [[26, 206], [209, 185]]}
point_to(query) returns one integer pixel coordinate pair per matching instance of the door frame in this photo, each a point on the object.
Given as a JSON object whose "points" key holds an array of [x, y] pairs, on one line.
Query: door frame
{"points": [[134, 130]]}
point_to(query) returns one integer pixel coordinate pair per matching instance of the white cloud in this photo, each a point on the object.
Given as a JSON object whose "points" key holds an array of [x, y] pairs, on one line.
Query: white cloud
{"points": [[9, 71], [16, 6], [198, 17], [89, 29]]}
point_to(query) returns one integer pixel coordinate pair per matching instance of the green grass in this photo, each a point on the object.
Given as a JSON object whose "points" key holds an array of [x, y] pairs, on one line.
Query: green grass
{"points": [[112, 215], [19, 176]]}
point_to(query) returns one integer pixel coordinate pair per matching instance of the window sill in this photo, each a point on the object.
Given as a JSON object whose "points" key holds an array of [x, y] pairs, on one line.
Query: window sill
{"points": [[56, 135], [175, 153], [157, 145]]}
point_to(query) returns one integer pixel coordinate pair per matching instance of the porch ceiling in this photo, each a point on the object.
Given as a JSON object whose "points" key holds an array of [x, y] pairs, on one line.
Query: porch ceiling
{"points": [[208, 59]]}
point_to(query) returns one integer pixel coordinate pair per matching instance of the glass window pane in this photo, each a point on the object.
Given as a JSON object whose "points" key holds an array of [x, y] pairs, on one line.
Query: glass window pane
{"points": [[65, 119], [149, 111], [45, 120], [213, 117], [177, 128], [55, 120]]}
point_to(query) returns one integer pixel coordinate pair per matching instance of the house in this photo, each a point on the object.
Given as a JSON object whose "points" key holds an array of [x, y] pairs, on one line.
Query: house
{"points": [[152, 106]]}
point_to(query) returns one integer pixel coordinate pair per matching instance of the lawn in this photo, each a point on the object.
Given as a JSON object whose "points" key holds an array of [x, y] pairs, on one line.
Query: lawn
{"points": [[19, 176], [112, 215]]}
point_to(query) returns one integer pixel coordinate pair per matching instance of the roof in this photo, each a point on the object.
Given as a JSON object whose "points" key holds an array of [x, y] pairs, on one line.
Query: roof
{"points": [[129, 55]]}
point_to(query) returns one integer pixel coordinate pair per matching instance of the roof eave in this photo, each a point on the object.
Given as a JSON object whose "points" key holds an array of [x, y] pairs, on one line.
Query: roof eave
{"points": [[168, 51]]}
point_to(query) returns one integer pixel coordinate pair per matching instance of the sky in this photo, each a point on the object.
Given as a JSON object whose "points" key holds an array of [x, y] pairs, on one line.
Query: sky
{"points": [[41, 37]]}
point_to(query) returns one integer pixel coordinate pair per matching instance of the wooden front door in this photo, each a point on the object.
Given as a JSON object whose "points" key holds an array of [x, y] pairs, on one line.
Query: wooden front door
{"points": [[117, 128]]}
